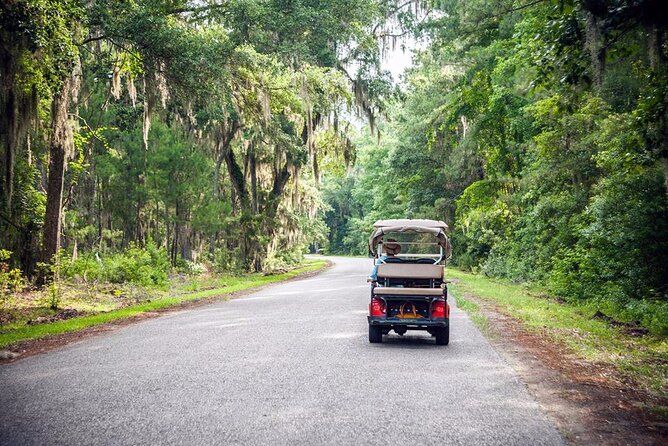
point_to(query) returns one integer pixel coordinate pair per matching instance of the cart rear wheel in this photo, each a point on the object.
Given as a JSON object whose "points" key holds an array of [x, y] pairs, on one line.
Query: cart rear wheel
{"points": [[375, 334], [442, 335]]}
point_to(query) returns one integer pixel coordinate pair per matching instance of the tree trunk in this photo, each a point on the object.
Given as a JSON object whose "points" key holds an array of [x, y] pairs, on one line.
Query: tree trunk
{"points": [[175, 244], [316, 168], [269, 213], [9, 156], [654, 47], [140, 229], [280, 181], [30, 249], [233, 201], [9, 122], [657, 64], [168, 233], [173, 250], [216, 195], [184, 246], [253, 177], [61, 147], [237, 179], [596, 46], [54, 199], [140, 232], [98, 192]]}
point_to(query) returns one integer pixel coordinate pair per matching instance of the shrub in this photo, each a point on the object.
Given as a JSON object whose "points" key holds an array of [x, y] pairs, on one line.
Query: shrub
{"points": [[52, 297], [189, 268], [147, 266], [226, 260], [282, 261], [11, 279], [86, 267]]}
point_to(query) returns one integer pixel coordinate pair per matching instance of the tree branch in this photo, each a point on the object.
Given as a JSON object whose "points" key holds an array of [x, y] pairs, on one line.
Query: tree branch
{"points": [[198, 9], [12, 223], [391, 13], [92, 39], [527, 5]]}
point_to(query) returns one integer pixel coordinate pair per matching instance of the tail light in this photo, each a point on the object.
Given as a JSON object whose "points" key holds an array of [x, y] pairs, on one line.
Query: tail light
{"points": [[440, 309], [376, 307]]}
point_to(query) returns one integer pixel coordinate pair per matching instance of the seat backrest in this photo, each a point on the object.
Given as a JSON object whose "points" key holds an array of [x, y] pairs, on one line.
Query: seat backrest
{"points": [[410, 271], [393, 260]]}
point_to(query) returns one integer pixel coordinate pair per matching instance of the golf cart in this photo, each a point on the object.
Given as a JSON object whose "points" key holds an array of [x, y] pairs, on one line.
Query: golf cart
{"points": [[408, 287]]}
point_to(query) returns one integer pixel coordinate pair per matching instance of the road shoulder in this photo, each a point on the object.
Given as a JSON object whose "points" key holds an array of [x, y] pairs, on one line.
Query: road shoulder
{"points": [[591, 403]]}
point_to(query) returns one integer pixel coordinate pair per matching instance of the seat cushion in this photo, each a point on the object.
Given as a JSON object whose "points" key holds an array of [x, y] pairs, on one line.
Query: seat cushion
{"points": [[410, 271], [399, 291]]}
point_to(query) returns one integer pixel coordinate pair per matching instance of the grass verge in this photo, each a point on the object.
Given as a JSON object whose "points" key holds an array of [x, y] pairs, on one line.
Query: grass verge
{"points": [[192, 291], [641, 358], [472, 308]]}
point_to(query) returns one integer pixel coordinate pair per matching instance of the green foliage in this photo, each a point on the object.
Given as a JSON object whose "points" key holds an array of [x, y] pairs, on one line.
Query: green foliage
{"points": [[53, 296], [221, 287], [642, 358], [191, 126], [539, 135], [189, 268], [538, 132], [45, 33], [227, 261], [11, 279], [147, 266]]}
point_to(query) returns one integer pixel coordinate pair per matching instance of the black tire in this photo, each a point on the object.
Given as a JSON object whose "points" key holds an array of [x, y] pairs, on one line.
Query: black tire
{"points": [[442, 335], [375, 334]]}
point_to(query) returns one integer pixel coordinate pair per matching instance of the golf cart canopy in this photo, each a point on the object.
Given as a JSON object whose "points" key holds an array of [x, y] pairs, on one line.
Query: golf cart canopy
{"points": [[434, 227]]}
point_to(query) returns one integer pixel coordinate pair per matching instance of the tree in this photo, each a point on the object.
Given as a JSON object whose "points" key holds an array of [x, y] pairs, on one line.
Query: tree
{"points": [[536, 130]]}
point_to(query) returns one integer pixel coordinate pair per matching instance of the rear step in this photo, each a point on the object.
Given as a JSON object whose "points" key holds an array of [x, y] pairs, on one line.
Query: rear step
{"points": [[408, 309]]}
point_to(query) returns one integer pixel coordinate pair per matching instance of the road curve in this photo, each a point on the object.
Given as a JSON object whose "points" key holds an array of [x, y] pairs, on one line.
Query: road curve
{"points": [[290, 364]]}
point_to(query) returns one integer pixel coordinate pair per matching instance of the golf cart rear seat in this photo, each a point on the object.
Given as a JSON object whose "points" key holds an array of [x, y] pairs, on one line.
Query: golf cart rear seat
{"points": [[400, 291], [410, 271], [393, 278]]}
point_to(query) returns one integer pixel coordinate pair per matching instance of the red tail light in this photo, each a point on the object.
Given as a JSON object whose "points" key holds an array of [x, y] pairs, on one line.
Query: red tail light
{"points": [[376, 307], [439, 310]]}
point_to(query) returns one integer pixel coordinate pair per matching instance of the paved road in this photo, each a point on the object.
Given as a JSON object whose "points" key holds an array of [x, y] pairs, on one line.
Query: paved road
{"points": [[288, 365]]}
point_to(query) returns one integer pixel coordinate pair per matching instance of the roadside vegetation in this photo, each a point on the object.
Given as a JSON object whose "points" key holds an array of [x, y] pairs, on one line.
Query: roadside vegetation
{"points": [[197, 129], [76, 301], [151, 149], [582, 328], [538, 132]]}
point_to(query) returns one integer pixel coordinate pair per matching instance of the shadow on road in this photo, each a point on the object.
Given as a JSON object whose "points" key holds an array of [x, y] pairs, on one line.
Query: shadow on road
{"points": [[409, 342]]}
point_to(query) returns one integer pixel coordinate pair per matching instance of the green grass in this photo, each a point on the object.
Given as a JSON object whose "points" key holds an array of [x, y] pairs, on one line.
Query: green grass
{"points": [[223, 285], [472, 308], [643, 358]]}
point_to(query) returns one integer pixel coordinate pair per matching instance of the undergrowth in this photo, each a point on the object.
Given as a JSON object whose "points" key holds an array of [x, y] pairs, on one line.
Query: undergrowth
{"points": [[641, 355], [96, 304]]}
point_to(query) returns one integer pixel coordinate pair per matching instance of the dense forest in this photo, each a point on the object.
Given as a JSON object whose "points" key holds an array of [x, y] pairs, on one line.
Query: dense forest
{"points": [[537, 130], [193, 127], [238, 134]]}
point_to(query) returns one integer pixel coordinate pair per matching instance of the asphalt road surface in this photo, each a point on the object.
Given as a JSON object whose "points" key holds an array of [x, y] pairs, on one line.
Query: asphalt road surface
{"points": [[288, 365]]}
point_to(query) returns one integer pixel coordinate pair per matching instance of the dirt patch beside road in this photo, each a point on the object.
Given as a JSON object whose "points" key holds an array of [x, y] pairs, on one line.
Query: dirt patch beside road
{"points": [[592, 404]]}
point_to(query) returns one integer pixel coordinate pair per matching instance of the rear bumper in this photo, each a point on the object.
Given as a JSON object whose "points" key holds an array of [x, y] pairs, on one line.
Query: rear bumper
{"points": [[410, 324]]}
